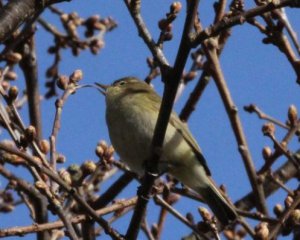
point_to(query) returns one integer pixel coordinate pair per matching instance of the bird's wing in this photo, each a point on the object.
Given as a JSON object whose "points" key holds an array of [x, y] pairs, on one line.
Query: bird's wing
{"points": [[186, 134], [182, 129]]}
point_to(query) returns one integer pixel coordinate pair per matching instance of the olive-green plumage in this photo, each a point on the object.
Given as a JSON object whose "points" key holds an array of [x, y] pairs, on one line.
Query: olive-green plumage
{"points": [[132, 108]]}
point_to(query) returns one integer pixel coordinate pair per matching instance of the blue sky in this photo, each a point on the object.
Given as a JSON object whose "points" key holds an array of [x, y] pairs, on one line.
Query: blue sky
{"points": [[255, 73]]}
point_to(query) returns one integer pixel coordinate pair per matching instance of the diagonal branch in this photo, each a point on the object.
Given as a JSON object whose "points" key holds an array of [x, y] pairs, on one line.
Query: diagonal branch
{"points": [[211, 53]]}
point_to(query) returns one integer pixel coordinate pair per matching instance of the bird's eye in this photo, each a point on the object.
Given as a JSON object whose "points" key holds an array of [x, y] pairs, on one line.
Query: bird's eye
{"points": [[122, 83]]}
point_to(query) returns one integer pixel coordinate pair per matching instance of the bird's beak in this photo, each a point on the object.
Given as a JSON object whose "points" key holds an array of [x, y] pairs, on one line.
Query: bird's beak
{"points": [[102, 88]]}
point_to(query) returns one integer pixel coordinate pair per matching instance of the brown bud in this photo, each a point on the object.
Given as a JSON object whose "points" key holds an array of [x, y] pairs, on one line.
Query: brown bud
{"points": [[175, 7], [109, 152], [190, 218], [65, 175], [262, 231], [30, 133], [63, 82], [293, 115], [278, 210], [13, 93], [168, 36], [76, 76], [45, 146], [190, 75], [266, 153], [103, 144], [88, 167], [99, 151], [40, 185], [164, 25], [64, 17], [11, 75], [205, 214], [268, 129], [13, 57], [52, 71], [60, 158], [288, 201]]}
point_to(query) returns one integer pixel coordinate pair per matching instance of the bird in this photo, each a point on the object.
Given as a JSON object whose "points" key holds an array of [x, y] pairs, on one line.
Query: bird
{"points": [[132, 108]]}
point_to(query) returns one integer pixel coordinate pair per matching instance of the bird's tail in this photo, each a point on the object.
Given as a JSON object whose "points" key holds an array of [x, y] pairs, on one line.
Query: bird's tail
{"points": [[222, 209]]}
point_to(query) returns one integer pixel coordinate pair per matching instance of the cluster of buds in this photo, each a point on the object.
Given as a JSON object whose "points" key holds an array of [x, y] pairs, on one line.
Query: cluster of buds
{"points": [[70, 23], [95, 23], [293, 221], [63, 81], [165, 24], [74, 175], [105, 152]]}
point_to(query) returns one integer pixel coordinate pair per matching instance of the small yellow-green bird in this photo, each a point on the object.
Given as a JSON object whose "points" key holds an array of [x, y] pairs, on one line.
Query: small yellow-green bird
{"points": [[132, 108]]}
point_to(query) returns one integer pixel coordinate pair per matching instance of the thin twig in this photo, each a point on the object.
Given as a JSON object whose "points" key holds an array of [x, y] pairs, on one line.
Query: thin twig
{"points": [[15, 231]]}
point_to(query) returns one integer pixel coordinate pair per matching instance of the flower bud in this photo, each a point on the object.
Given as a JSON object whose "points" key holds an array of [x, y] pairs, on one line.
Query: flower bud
{"points": [[205, 214], [13, 57], [266, 153], [65, 175], [76, 76], [88, 167], [288, 201], [268, 129], [278, 210], [11, 75], [164, 25], [293, 115], [175, 7], [60, 158], [262, 231], [13, 93], [30, 133], [45, 146], [62, 82]]}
